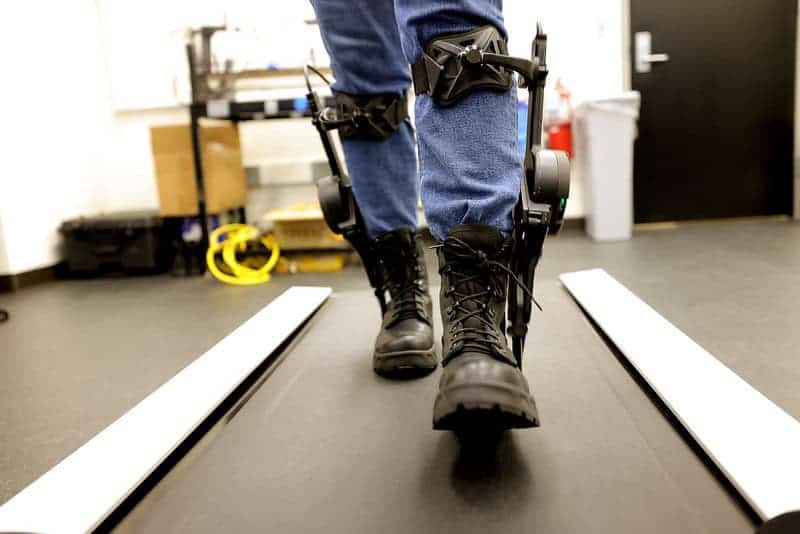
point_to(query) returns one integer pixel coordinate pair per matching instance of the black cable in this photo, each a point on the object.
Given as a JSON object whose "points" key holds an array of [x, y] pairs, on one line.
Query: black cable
{"points": [[315, 71], [318, 73], [4, 315]]}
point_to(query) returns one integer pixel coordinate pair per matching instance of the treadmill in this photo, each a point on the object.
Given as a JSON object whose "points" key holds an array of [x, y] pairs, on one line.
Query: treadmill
{"points": [[325, 445]]}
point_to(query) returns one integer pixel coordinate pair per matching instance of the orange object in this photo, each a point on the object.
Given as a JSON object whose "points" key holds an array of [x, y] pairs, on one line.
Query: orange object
{"points": [[559, 131]]}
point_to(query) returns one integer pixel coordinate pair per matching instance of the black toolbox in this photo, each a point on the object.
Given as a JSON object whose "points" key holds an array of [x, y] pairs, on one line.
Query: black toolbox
{"points": [[127, 242]]}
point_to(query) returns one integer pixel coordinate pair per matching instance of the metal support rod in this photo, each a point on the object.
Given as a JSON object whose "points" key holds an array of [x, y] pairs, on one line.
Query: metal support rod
{"points": [[537, 92], [194, 82], [197, 154], [315, 107], [530, 238]]}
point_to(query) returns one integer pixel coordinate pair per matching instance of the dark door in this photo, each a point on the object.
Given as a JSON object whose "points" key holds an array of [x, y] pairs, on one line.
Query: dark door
{"points": [[717, 117]]}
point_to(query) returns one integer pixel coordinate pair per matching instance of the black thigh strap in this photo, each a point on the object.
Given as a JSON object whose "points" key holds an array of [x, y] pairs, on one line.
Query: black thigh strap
{"points": [[445, 73]]}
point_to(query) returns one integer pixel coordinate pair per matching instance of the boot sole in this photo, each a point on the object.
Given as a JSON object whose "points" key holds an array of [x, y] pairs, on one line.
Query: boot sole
{"points": [[484, 407], [405, 364]]}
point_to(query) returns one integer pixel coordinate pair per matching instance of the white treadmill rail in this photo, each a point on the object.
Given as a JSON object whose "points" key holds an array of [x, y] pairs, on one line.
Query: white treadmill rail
{"points": [[83, 489], [753, 441]]}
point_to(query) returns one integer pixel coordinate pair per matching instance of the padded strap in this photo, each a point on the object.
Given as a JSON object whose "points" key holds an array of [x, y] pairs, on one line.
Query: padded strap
{"points": [[375, 117], [450, 68]]}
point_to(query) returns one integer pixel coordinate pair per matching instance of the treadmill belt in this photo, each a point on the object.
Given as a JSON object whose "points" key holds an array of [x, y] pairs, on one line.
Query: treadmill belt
{"points": [[325, 445]]}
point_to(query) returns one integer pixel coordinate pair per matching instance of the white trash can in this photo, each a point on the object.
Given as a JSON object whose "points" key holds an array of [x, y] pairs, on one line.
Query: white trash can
{"points": [[606, 129]]}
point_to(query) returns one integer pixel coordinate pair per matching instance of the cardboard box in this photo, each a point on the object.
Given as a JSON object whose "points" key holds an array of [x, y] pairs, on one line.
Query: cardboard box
{"points": [[225, 181], [302, 227]]}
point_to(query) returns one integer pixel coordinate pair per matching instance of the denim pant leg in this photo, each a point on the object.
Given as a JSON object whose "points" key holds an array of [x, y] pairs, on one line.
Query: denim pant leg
{"points": [[367, 58], [468, 153]]}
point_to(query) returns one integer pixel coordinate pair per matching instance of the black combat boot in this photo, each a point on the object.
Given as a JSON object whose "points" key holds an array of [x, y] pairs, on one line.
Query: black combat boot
{"points": [[482, 386], [405, 347]]}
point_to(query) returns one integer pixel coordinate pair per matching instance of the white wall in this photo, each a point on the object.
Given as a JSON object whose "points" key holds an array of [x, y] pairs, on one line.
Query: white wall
{"points": [[3, 194], [585, 40], [144, 41], [3, 256], [55, 127], [131, 178], [797, 123]]}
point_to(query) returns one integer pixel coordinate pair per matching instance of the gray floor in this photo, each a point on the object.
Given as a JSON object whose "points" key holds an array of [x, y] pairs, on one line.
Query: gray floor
{"points": [[76, 355], [80, 353]]}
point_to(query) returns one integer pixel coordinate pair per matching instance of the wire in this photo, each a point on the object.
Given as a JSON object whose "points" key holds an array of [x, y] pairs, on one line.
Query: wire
{"points": [[318, 73], [238, 237], [315, 71]]}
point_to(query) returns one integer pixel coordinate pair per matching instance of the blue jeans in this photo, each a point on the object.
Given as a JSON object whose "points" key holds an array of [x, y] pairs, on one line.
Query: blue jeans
{"points": [[470, 167]]}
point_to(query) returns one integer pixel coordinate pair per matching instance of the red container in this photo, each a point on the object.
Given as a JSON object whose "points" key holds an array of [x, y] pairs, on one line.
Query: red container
{"points": [[559, 137]]}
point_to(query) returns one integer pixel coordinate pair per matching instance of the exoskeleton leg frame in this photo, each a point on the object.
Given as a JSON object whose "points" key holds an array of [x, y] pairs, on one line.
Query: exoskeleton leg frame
{"points": [[454, 66], [377, 118]]}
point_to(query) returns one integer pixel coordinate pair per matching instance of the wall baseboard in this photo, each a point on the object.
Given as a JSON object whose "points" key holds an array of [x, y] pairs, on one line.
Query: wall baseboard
{"points": [[13, 282]]}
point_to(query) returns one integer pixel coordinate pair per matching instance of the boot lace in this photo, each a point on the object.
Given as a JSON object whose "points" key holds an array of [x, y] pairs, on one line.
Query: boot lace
{"points": [[476, 280], [403, 279]]}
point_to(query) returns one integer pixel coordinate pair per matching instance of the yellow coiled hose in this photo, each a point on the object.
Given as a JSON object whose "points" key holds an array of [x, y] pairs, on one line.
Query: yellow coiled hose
{"points": [[238, 237]]}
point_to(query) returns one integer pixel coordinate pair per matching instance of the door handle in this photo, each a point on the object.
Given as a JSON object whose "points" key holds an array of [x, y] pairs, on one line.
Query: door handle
{"points": [[657, 58], [643, 52]]}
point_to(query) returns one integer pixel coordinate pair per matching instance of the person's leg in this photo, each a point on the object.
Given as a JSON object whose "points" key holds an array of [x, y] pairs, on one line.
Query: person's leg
{"points": [[469, 159], [363, 41], [471, 174]]}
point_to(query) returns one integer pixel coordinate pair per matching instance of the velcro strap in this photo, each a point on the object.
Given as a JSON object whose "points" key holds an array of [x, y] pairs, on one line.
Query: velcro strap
{"points": [[374, 117]]}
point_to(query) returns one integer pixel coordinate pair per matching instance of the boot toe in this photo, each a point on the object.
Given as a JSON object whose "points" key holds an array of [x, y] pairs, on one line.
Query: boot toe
{"points": [[408, 335], [479, 391], [405, 351], [479, 369]]}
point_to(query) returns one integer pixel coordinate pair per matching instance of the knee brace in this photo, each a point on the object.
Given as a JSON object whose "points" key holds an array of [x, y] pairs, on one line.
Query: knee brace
{"points": [[374, 117], [453, 66]]}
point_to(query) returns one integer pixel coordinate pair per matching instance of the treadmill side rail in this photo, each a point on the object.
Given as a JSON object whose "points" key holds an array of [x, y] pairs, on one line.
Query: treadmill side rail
{"points": [[80, 492], [754, 442]]}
